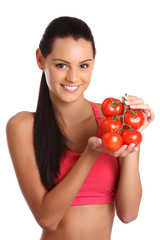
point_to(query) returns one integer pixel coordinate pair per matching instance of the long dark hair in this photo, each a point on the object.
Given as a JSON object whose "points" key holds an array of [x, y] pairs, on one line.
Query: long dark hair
{"points": [[49, 140]]}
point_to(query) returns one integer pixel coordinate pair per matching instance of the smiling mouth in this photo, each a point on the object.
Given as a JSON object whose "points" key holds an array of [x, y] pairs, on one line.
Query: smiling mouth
{"points": [[70, 88]]}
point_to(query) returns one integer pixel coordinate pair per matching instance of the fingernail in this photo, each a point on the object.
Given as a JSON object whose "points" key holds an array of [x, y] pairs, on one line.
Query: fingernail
{"points": [[133, 106], [136, 149], [99, 141], [132, 145], [127, 102]]}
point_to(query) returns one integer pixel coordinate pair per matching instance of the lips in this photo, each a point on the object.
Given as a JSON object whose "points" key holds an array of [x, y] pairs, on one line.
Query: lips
{"points": [[70, 88]]}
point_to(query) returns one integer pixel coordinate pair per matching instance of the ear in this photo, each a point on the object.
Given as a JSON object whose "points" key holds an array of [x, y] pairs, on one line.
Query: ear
{"points": [[40, 59]]}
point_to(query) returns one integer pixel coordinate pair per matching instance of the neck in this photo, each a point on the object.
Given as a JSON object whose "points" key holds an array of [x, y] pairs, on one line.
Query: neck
{"points": [[71, 113]]}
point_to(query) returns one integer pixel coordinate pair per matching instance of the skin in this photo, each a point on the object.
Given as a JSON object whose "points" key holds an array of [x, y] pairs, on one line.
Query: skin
{"points": [[51, 209]]}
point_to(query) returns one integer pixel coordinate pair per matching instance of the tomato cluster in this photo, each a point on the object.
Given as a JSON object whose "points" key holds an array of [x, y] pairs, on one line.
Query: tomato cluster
{"points": [[120, 125]]}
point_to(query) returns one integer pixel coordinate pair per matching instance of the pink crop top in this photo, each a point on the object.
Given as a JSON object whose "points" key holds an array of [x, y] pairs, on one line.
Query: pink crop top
{"points": [[100, 185]]}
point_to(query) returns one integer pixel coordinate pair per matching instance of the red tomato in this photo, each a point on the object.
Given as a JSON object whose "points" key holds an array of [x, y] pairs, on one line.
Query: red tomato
{"points": [[135, 121], [112, 107], [112, 141], [109, 124], [131, 137]]}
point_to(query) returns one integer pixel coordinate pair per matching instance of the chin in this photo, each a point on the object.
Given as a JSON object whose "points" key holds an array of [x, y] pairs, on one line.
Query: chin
{"points": [[71, 99]]}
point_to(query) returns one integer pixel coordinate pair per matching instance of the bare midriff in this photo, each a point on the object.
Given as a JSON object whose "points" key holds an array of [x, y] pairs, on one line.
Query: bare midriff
{"points": [[84, 222]]}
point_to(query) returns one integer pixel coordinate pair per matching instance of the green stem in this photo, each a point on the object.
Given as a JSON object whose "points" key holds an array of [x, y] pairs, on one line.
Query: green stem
{"points": [[122, 116]]}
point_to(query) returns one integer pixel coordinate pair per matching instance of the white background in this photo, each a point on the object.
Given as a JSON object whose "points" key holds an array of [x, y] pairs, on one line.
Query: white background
{"points": [[127, 36]]}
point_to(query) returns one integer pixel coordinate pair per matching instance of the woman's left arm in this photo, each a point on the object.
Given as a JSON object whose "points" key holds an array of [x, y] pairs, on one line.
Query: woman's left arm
{"points": [[129, 190]]}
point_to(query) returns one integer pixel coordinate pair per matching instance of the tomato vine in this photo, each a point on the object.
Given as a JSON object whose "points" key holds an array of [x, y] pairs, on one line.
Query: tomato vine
{"points": [[121, 117], [121, 124]]}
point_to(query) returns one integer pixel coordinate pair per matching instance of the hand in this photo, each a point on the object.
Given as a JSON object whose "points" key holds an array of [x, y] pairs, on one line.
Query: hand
{"points": [[95, 144], [137, 103]]}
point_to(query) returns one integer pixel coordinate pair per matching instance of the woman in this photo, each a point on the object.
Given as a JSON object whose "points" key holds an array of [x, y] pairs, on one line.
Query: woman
{"points": [[72, 185]]}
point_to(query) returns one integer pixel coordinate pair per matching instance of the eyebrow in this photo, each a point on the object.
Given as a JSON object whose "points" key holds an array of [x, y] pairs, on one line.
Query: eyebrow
{"points": [[58, 59]]}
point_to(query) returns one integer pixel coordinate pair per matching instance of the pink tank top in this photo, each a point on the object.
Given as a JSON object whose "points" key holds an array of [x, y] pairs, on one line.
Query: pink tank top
{"points": [[100, 185]]}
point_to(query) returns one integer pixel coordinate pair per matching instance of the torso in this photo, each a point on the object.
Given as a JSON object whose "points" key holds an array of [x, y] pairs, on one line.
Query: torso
{"points": [[84, 222], [87, 221]]}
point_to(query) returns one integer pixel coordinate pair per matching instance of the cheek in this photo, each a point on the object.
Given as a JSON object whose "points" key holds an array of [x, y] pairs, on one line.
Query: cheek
{"points": [[86, 76], [50, 78], [53, 76]]}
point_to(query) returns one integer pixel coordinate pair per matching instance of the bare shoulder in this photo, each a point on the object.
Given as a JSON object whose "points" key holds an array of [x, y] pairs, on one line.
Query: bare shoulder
{"points": [[19, 130], [21, 118], [22, 121]]}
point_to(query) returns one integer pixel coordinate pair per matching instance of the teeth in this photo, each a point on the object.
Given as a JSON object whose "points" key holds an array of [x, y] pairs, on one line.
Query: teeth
{"points": [[70, 88]]}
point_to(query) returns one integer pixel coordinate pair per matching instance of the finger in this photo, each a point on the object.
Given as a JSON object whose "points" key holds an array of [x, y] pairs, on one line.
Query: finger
{"points": [[127, 106], [146, 112], [140, 106], [130, 97], [152, 115], [120, 151], [94, 142], [128, 150], [149, 114], [135, 149], [148, 119], [135, 101]]}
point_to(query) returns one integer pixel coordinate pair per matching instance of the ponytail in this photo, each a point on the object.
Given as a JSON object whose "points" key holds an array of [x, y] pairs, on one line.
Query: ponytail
{"points": [[49, 142]]}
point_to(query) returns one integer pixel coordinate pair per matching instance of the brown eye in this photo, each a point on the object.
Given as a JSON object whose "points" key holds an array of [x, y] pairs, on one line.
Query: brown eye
{"points": [[60, 65], [84, 65]]}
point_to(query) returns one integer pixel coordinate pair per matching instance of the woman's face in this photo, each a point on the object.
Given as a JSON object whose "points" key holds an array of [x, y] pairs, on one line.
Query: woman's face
{"points": [[68, 68]]}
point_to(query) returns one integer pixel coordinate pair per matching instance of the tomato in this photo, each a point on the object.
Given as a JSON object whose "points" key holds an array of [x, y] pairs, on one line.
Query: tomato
{"points": [[112, 107], [109, 124], [134, 118], [131, 137], [112, 141]]}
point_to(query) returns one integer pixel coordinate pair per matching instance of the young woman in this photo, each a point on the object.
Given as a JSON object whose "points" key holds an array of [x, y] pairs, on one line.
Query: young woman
{"points": [[72, 185]]}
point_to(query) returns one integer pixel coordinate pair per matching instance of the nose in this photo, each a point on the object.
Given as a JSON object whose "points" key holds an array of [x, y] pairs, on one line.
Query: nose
{"points": [[72, 75]]}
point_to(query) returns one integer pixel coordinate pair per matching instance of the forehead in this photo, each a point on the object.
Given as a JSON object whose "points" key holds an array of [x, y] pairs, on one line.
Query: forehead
{"points": [[69, 47]]}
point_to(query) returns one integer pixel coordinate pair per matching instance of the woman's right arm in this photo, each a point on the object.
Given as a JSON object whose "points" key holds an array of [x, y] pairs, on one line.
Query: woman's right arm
{"points": [[48, 208]]}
